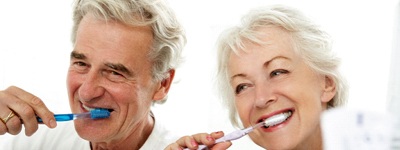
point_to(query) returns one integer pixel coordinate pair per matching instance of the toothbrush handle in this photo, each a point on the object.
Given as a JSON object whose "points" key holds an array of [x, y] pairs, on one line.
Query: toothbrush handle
{"points": [[201, 147], [229, 137], [59, 117]]}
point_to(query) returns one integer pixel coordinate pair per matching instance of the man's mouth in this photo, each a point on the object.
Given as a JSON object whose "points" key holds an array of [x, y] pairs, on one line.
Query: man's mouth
{"points": [[277, 119], [87, 108]]}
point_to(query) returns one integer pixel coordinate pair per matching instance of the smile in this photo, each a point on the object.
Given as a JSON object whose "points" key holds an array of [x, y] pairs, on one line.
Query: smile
{"points": [[87, 108], [276, 119]]}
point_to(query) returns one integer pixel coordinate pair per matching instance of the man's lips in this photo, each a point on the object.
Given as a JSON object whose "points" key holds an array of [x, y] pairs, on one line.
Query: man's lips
{"points": [[89, 108]]}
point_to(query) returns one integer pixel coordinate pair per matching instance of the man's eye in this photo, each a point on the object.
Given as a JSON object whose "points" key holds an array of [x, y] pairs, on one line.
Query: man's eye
{"points": [[278, 72], [115, 73], [79, 63], [114, 76], [240, 88], [79, 66]]}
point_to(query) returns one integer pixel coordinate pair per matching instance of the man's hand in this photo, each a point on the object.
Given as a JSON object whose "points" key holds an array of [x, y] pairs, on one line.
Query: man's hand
{"points": [[19, 107]]}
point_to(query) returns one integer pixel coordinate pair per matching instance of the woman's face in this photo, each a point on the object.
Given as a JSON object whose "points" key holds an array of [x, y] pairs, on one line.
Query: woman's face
{"points": [[272, 79]]}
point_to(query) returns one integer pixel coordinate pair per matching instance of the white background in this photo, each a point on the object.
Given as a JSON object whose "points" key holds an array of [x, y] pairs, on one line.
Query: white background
{"points": [[35, 46]]}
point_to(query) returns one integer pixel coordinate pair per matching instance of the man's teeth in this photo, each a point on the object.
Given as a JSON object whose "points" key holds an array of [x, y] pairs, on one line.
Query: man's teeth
{"points": [[90, 109], [277, 119], [87, 108]]}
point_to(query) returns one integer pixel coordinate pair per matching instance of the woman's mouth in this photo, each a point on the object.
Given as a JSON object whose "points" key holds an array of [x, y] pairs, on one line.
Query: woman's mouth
{"points": [[276, 119]]}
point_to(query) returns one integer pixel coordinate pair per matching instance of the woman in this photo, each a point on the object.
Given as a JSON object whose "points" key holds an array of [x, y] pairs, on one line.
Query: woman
{"points": [[276, 62]]}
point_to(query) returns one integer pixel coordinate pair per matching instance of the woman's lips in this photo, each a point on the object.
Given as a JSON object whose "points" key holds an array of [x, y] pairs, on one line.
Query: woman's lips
{"points": [[276, 120]]}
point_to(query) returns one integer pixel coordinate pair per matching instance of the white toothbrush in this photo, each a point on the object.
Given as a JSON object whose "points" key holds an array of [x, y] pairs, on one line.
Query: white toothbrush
{"points": [[274, 120]]}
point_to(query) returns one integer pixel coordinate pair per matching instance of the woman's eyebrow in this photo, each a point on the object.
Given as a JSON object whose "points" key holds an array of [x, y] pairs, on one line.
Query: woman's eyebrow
{"points": [[265, 64], [237, 75]]}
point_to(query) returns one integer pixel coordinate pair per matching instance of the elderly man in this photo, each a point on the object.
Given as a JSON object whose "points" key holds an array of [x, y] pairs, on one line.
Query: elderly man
{"points": [[124, 58]]}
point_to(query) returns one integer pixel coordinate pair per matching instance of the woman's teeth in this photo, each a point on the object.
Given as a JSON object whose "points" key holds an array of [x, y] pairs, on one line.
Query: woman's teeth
{"points": [[277, 119]]}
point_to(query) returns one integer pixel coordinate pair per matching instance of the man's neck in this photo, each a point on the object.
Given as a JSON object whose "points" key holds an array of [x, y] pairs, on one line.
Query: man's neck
{"points": [[135, 140]]}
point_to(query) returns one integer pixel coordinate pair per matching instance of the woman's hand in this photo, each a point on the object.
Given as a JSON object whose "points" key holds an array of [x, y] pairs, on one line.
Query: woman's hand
{"points": [[19, 107], [193, 142]]}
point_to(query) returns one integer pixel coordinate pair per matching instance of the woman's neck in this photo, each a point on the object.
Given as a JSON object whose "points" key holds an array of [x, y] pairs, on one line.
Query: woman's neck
{"points": [[314, 142]]}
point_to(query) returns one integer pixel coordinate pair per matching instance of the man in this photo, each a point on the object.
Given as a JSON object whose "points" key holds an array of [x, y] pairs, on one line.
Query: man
{"points": [[123, 60]]}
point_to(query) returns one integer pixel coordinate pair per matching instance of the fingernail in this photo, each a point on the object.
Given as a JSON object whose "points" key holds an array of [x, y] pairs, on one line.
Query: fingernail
{"points": [[209, 138], [218, 132], [194, 143], [53, 123]]}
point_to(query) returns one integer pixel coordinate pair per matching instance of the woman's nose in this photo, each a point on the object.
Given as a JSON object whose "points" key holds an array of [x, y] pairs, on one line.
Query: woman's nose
{"points": [[91, 87], [264, 96]]}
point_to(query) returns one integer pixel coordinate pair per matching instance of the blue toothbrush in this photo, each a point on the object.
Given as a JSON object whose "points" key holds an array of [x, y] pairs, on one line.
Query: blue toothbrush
{"points": [[97, 113]]}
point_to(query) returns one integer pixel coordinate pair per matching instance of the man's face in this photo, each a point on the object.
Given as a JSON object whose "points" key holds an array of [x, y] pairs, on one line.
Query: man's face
{"points": [[110, 69]]}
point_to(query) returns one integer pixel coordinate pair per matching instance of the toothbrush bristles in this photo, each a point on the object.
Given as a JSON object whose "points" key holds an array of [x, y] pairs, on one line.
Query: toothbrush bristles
{"points": [[99, 113], [277, 119]]}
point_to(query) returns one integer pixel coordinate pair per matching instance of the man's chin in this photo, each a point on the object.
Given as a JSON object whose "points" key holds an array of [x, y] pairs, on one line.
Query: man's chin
{"points": [[89, 130]]}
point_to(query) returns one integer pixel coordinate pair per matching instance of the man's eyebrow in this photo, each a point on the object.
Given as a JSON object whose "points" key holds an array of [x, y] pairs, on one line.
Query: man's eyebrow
{"points": [[119, 67], [76, 55]]}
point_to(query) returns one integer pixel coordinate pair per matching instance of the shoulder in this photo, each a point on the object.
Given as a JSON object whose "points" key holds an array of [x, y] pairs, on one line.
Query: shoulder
{"points": [[159, 138], [63, 136]]}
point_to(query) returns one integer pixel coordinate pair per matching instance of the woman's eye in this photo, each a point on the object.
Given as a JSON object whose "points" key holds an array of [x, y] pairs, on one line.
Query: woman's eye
{"points": [[240, 88], [278, 72]]}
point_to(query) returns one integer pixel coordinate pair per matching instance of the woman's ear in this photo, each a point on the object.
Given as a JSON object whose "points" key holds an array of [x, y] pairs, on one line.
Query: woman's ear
{"points": [[329, 90], [163, 88]]}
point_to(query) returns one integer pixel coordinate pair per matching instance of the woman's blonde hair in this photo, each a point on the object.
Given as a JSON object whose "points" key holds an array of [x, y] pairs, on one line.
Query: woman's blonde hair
{"points": [[311, 43]]}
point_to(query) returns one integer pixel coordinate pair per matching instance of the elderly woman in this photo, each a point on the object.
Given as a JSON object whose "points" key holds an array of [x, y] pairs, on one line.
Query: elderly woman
{"points": [[277, 62]]}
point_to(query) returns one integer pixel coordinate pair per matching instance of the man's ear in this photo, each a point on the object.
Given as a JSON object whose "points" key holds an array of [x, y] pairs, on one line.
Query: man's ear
{"points": [[164, 85], [329, 89]]}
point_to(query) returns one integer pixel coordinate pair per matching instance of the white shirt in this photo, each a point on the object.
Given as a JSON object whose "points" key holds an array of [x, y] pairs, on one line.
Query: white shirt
{"points": [[64, 137]]}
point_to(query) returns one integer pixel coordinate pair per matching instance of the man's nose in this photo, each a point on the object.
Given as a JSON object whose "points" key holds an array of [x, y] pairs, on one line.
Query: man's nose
{"points": [[91, 87]]}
